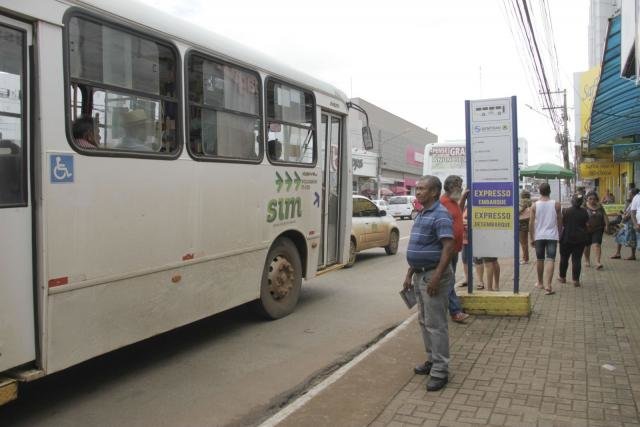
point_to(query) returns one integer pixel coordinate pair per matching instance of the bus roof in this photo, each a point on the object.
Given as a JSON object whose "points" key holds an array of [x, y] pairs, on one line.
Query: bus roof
{"points": [[201, 38]]}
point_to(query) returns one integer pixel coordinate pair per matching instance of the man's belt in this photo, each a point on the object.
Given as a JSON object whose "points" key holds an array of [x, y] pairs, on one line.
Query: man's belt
{"points": [[423, 269]]}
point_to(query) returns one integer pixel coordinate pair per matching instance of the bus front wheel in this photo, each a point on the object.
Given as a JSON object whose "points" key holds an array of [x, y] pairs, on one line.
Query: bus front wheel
{"points": [[281, 280]]}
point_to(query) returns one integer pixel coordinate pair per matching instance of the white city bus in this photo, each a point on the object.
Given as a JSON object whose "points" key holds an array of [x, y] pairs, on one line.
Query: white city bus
{"points": [[152, 174]]}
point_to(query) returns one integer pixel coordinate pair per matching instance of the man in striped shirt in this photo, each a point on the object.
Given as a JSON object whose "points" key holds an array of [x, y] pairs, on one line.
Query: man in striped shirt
{"points": [[429, 255]]}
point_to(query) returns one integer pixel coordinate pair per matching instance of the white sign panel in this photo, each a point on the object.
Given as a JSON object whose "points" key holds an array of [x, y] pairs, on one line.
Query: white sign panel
{"points": [[364, 164], [492, 165], [444, 159]]}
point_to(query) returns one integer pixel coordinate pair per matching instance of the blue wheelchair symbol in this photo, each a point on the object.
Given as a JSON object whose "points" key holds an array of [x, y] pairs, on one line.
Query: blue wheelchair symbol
{"points": [[61, 167]]}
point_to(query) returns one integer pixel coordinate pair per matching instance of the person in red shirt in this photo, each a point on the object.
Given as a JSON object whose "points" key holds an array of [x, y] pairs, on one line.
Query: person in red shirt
{"points": [[417, 206], [452, 199]]}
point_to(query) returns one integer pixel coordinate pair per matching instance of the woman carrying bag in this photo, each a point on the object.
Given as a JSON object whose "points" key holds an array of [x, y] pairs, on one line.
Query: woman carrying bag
{"points": [[598, 222]]}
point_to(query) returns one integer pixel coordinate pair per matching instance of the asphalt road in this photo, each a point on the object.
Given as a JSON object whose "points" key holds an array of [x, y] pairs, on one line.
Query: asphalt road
{"points": [[229, 369]]}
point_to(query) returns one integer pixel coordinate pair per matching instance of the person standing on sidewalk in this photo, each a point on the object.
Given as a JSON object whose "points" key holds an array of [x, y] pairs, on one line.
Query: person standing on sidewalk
{"points": [[635, 216], [492, 268], [573, 239], [523, 232], [544, 229], [429, 254], [598, 223], [465, 242], [452, 200], [627, 234]]}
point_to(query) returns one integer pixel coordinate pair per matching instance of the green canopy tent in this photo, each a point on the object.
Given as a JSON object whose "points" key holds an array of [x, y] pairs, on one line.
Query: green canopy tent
{"points": [[546, 171]]}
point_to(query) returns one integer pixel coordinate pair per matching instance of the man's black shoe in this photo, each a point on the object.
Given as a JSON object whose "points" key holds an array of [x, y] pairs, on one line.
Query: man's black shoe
{"points": [[423, 369], [436, 383]]}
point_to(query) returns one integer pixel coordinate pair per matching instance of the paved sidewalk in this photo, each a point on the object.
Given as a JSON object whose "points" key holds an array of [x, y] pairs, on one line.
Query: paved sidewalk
{"points": [[574, 362]]}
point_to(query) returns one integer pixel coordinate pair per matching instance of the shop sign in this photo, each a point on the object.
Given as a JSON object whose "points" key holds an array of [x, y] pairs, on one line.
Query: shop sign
{"points": [[364, 164], [598, 170]]}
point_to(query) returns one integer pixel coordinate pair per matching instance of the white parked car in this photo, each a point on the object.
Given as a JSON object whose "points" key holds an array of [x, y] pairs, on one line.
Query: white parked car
{"points": [[371, 227], [402, 206], [382, 204]]}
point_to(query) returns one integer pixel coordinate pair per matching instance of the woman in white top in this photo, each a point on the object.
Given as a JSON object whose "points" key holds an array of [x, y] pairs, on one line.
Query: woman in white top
{"points": [[544, 229]]}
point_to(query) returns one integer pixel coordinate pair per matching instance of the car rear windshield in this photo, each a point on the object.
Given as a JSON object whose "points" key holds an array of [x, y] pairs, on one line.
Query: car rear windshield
{"points": [[398, 201]]}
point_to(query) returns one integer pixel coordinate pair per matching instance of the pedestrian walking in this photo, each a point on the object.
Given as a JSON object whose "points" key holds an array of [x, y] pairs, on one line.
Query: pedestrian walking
{"points": [[635, 216], [452, 200], [544, 231], [429, 254], [598, 223], [573, 239], [626, 236]]}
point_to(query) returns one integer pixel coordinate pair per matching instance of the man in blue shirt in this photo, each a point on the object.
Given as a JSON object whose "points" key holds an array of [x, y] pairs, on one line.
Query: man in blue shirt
{"points": [[429, 257]]}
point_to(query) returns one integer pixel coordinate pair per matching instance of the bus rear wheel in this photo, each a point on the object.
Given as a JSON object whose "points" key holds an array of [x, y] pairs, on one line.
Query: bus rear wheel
{"points": [[281, 280]]}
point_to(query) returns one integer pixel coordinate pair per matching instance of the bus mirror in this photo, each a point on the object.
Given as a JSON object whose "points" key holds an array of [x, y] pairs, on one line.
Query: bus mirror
{"points": [[367, 139]]}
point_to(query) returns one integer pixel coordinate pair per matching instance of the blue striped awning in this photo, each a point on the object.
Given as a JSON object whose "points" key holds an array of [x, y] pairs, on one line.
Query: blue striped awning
{"points": [[616, 107]]}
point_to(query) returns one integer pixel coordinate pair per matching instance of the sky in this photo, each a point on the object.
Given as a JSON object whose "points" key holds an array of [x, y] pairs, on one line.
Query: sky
{"points": [[419, 60]]}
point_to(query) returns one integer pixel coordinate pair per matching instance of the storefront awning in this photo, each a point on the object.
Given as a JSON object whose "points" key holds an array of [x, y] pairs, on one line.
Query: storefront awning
{"points": [[616, 108]]}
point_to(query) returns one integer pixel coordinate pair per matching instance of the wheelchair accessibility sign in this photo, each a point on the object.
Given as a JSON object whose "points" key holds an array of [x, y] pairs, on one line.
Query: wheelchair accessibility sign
{"points": [[61, 168]]}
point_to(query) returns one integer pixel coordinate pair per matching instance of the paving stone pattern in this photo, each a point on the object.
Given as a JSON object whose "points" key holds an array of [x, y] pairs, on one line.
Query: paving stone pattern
{"points": [[545, 370]]}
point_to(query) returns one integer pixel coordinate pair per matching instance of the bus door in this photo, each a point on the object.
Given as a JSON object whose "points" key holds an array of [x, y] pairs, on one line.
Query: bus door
{"points": [[330, 141], [17, 330]]}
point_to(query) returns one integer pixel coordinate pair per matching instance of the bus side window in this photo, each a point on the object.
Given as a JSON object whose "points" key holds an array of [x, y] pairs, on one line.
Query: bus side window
{"points": [[290, 121], [10, 173], [224, 110], [13, 178], [127, 84]]}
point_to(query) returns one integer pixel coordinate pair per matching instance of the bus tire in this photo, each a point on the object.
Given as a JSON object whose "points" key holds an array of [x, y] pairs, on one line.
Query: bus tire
{"points": [[281, 280]]}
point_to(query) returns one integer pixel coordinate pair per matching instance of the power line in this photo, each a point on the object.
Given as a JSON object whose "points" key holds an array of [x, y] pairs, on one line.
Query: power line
{"points": [[537, 51], [525, 39], [537, 59], [554, 55], [526, 66]]}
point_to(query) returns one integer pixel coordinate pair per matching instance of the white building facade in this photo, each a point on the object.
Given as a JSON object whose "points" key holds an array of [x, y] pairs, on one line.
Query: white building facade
{"points": [[599, 13]]}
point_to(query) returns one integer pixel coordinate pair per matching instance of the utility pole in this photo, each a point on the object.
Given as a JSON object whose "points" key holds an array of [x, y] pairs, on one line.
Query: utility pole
{"points": [[563, 139], [379, 171]]}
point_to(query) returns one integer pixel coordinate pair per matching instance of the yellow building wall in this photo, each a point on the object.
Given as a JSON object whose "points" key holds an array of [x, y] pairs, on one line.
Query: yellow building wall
{"points": [[616, 184]]}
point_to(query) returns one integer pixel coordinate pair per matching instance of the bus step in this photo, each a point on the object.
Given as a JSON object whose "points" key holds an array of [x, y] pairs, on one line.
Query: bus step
{"points": [[329, 269], [8, 390], [25, 375]]}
